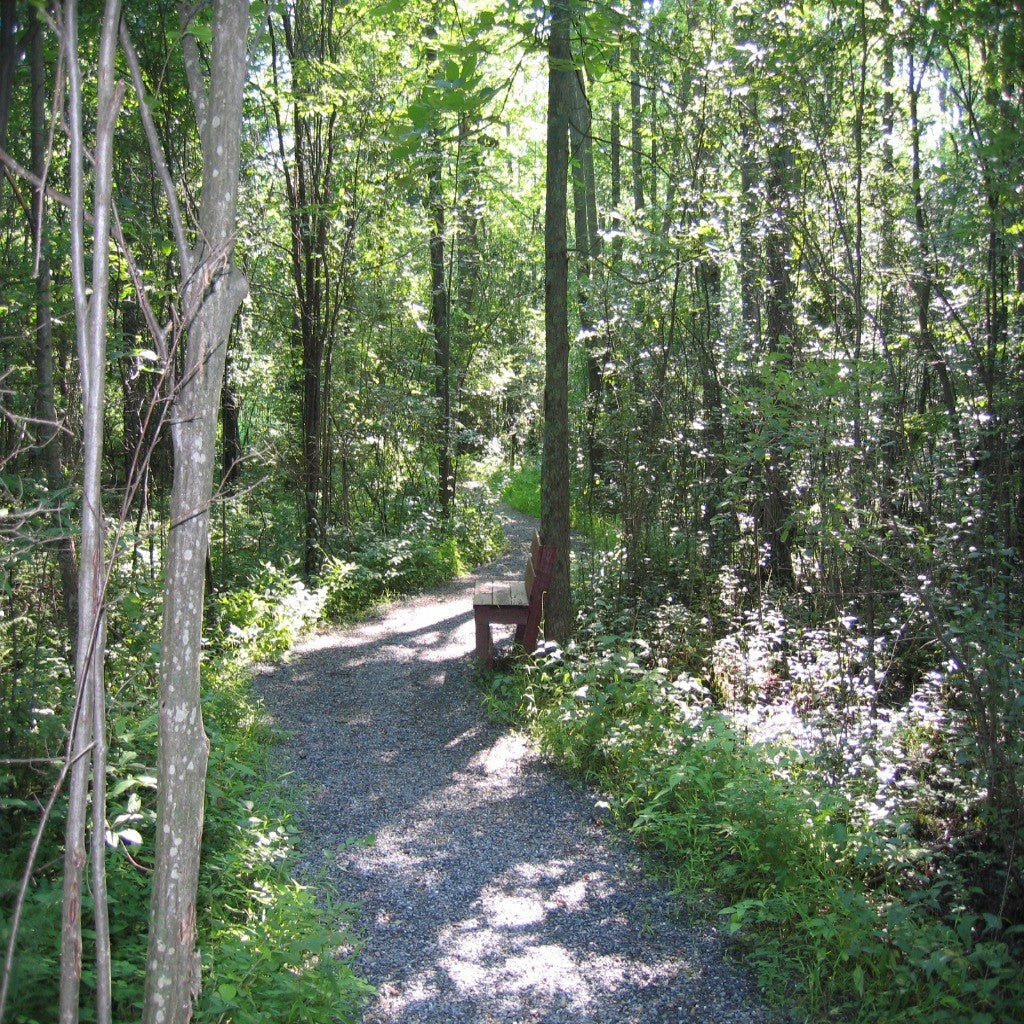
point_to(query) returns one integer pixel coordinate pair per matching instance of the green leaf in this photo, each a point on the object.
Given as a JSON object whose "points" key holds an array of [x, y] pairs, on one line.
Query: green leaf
{"points": [[421, 114], [202, 31], [387, 8], [858, 979]]}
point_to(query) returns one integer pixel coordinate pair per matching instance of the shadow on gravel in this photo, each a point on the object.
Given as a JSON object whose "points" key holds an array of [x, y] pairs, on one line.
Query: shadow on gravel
{"points": [[489, 894], [532, 916]]}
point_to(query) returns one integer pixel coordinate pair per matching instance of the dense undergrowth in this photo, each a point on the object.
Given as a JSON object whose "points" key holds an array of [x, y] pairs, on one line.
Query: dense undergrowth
{"points": [[843, 840], [271, 950]]}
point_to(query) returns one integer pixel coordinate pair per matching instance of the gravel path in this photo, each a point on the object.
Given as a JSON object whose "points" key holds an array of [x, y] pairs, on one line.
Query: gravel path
{"points": [[488, 895]]}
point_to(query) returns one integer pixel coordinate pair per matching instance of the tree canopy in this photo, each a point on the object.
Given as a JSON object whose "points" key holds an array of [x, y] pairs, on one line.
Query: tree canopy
{"points": [[739, 285]]}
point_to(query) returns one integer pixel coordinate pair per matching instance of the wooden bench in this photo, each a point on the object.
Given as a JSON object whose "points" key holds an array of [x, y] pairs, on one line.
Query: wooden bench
{"points": [[514, 603]]}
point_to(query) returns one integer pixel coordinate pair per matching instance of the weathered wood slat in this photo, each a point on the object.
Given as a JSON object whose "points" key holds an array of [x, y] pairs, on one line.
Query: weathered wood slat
{"points": [[514, 603], [501, 594]]}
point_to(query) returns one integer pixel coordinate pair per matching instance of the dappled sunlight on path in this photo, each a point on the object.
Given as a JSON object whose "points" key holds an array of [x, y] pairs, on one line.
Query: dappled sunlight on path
{"points": [[488, 891]]}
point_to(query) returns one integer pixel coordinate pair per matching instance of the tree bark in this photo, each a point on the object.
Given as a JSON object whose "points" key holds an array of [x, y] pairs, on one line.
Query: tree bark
{"points": [[440, 321], [79, 732], [555, 464], [774, 507], [750, 291], [8, 62], [89, 716], [588, 247], [719, 527], [231, 441], [924, 283], [212, 289], [308, 175], [635, 101], [615, 168]]}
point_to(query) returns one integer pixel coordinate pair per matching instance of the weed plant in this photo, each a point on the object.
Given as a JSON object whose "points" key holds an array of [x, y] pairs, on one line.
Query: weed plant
{"points": [[817, 869], [425, 553]]}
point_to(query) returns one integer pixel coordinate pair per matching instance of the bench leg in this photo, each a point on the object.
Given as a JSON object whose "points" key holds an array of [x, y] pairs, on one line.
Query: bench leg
{"points": [[484, 650]]}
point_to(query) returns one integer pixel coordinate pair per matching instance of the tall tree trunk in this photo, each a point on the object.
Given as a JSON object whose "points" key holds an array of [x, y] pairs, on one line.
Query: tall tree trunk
{"points": [[89, 726], [308, 174], [231, 441], [1017, 531], [635, 104], [440, 320], [774, 506], [865, 573], [212, 288], [8, 62], [80, 733], [555, 464], [750, 180], [719, 527], [888, 309], [312, 362], [587, 246], [923, 283], [615, 169]]}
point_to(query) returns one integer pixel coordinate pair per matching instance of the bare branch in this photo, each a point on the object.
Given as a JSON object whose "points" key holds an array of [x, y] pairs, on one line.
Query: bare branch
{"points": [[31, 760], [15, 169]]}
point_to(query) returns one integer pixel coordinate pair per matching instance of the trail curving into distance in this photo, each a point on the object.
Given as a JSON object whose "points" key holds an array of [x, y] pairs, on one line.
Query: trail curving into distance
{"points": [[490, 894]]}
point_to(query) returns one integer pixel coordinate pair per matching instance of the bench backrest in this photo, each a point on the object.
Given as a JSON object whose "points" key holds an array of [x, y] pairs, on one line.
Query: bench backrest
{"points": [[531, 562], [538, 579], [539, 566]]}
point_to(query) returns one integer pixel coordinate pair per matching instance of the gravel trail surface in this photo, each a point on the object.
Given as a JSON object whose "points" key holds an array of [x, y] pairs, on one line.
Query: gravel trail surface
{"points": [[488, 893]]}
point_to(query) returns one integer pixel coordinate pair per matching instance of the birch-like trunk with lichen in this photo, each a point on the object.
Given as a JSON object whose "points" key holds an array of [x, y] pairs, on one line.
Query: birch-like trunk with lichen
{"points": [[212, 290]]}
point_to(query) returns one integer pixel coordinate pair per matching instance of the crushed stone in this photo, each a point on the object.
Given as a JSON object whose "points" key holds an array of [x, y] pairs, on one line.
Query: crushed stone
{"points": [[488, 890]]}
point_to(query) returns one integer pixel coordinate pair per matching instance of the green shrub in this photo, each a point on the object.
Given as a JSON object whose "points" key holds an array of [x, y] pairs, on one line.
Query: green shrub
{"points": [[521, 489], [289, 965], [477, 533], [262, 620], [427, 553], [835, 903], [270, 951]]}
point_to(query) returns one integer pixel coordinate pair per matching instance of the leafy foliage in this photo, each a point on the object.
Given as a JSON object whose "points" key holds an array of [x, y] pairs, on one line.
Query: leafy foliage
{"points": [[427, 553], [269, 947], [264, 619], [835, 904]]}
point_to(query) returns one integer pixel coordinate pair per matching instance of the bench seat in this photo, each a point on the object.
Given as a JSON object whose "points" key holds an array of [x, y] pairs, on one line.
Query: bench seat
{"points": [[501, 594], [516, 603]]}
